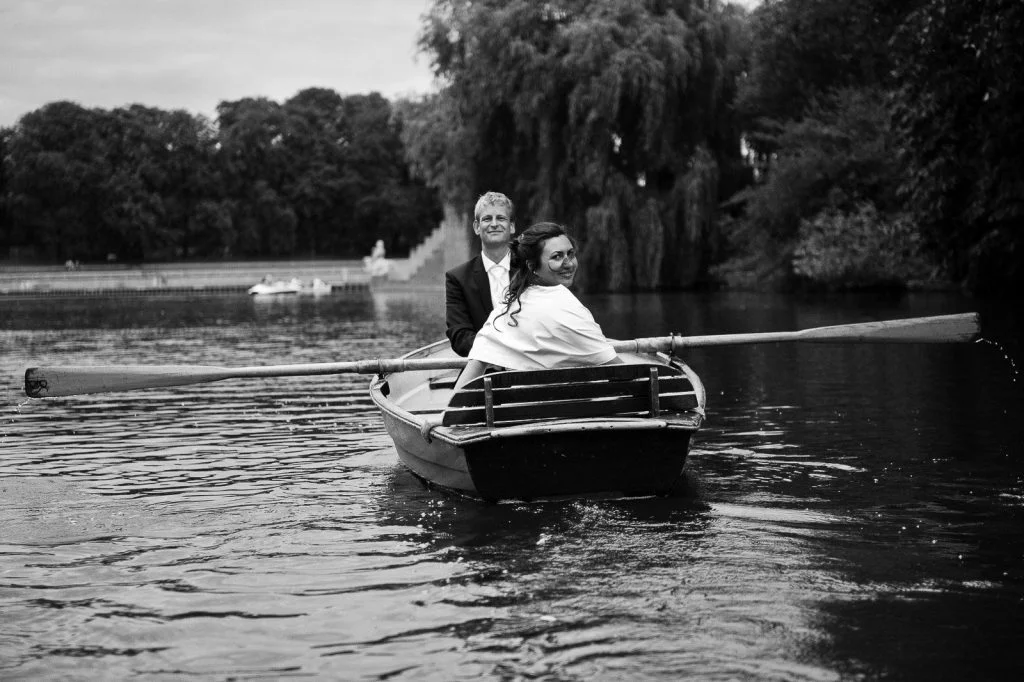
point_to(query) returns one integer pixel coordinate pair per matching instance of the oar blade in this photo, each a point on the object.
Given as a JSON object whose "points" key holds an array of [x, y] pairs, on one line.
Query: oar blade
{"points": [[54, 382], [937, 329]]}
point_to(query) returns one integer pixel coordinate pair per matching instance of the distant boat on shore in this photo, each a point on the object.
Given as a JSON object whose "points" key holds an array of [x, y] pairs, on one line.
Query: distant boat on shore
{"points": [[276, 287], [270, 287]]}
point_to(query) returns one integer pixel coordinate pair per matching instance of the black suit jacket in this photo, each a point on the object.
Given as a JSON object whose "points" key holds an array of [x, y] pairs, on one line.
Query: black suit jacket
{"points": [[467, 300]]}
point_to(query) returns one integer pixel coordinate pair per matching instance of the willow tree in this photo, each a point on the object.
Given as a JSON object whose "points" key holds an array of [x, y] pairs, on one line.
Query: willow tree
{"points": [[613, 117]]}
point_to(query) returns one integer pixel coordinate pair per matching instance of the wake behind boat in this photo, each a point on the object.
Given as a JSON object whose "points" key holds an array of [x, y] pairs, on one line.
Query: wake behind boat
{"points": [[616, 429]]}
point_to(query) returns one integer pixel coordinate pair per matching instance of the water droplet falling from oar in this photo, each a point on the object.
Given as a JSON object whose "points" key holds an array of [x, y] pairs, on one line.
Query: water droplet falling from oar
{"points": [[1006, 355]]}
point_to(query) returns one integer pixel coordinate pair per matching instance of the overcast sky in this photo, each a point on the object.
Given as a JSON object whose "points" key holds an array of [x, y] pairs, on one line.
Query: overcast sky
{"points": [[193, 54]]}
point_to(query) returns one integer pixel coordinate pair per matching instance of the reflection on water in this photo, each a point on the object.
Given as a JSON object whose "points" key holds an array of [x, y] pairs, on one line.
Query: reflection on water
{"points": [[849, 511]]}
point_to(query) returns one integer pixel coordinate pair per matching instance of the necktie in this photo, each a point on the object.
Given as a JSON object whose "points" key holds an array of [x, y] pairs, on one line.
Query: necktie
{"points": [[498, 277]]}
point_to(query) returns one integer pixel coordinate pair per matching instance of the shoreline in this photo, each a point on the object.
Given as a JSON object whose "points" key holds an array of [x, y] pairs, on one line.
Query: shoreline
{"points": [[173, 278]]}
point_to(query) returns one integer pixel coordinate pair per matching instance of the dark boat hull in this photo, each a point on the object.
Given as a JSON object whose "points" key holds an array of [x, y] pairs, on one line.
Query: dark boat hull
{"points": [[623, 455], [624, 462]]}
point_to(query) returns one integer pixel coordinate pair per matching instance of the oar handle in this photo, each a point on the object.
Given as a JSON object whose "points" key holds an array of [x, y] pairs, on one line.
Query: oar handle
{"points": [[668, 344]]}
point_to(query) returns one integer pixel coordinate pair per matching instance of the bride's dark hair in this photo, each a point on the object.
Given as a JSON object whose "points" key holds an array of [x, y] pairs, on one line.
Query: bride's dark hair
{"points": [[527, 248]]}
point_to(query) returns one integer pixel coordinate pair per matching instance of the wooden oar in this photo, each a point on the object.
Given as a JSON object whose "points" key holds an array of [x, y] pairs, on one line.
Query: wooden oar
{"points": [[51, 382], [43, 382], [938, 329]]}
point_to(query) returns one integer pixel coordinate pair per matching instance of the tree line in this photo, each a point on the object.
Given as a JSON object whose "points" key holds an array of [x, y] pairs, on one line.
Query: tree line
{"points": [[823, 143], [320, 175]]}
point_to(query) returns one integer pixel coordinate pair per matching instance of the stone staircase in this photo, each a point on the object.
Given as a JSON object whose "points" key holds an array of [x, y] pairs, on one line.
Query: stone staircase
{"points": [[431, 271], [404, 269], [444, 248]]}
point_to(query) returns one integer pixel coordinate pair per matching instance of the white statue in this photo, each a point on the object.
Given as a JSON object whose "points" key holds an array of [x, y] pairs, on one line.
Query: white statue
{"points": [[376, 264]]}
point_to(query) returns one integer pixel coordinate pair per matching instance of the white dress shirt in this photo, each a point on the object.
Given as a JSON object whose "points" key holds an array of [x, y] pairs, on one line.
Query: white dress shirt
{"points": [[497, 275]]}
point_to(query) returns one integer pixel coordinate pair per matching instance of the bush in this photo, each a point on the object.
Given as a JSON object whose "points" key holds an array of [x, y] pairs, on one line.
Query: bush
{"points": [[862, 249]]}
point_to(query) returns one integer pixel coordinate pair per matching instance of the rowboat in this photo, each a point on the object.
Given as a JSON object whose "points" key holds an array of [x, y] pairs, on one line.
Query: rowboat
{"points": [[525, 435]]}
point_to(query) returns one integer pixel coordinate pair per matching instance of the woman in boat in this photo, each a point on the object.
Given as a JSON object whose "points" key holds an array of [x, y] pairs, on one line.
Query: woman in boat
{"points": [[541, 325]]}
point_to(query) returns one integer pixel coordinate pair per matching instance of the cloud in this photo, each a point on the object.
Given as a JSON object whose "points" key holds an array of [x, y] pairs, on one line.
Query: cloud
{"points": [[193, 54]]}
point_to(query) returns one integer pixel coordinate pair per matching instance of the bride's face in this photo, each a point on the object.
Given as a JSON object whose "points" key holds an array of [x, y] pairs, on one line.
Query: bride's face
{"points": [[557, 262]]}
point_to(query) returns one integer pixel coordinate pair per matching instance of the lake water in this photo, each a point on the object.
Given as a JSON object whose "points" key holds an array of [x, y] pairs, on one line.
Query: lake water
{"points": [[849, 511]]}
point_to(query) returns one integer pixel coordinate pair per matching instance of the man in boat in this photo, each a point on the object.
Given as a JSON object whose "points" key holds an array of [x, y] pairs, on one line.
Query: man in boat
{"points": [[476, 287]]}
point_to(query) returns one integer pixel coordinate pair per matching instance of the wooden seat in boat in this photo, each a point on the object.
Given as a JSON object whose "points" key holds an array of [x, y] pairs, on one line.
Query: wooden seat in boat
{"points": [[623, 390]]}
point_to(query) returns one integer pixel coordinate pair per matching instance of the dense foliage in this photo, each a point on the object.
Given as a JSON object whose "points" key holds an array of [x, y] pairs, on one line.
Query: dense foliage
{"points": [[893, 128], [319, 175], [614, 117], [859, 248], [802, 49], [959, 114], [816, 116]]}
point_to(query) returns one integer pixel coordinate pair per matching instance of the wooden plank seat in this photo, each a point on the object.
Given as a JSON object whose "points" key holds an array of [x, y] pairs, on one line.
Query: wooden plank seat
{"points": [[505, 398], [443, 382]]}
